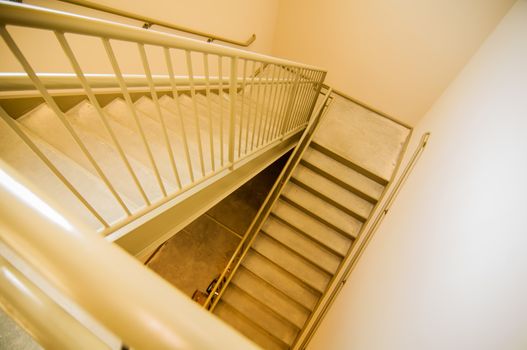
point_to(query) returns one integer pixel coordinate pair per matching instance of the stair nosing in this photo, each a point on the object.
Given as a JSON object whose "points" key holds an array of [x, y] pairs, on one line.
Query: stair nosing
{"points": [[300, 281], [259, 303], [349, 163], [252, 323], [294, 301], [306, 259], [328, 200], [316, 217], [319, 242], [341, 183]]}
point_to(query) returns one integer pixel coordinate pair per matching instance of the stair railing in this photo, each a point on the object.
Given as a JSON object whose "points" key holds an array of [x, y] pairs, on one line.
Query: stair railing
{"points": [[245, 244], [71, 289], [259, 110]]}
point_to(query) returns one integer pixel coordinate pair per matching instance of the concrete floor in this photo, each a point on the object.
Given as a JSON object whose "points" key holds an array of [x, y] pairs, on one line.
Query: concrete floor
{"points": [[200, 252], [12, 336]]}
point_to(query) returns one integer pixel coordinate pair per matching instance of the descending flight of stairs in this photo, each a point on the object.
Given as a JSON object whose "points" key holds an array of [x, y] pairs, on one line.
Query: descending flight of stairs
{"points": [[51, 137], [313, 224]]}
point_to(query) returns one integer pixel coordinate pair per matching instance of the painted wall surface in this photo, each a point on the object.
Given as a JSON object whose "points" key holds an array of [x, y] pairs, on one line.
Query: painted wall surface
{"points": [[235, 19], [397, 56], [448, 267]]}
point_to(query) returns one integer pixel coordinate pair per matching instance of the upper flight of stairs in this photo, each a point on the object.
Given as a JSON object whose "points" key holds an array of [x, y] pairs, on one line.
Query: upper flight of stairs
{"points": [[312, 225], [51, 137]]}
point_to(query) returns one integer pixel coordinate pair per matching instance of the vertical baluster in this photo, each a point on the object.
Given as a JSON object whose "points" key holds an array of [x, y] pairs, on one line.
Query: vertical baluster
{"points": [[276, 104], [207, 92], [13, 47], [265, 105], [275, 83], [153, 93], [195, 107], [14, 126], [256, 121], [290, 102], [300, 101], [131, 108], [242, 90], [95, 103], [251, 103], [311, 98], [283, 100], [175, 95], [220, 94], [232, 96]]}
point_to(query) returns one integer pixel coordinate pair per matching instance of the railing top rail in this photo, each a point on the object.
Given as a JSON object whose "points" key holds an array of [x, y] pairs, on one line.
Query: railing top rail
{"points": [[103, 279], [43, 18], [148, 21]]}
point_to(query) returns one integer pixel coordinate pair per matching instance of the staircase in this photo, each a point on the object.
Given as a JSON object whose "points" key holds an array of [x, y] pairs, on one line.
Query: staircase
{"points": [[312, 225]]}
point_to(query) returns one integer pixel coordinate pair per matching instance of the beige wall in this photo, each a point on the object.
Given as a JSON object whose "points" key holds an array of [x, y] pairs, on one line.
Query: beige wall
{"points": [[397, 56], [448, 268], [236, 19]]}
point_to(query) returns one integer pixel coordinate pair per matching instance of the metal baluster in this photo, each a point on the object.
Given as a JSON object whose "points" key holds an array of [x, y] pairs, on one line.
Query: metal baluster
{"points": [[55, 108], [175, 94], [93, 100], [196, 115], [242, 107], [207, 92], [220, 94], [232, 96], [257, 104], [146, 66], [130, 104], [250, 107], [14, 126]]}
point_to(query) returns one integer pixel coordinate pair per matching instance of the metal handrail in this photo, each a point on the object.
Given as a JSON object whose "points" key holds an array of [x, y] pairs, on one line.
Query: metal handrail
{"points": [[297, 92], [98, 277], [251, 233], [149, 22], [44, 18], [351, 260]]}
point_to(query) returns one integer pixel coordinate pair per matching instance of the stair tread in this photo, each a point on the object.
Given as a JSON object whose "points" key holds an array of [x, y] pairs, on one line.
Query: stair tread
{"points": [[312, 227], [47, 126], [301, 244], [280, 279], [244, 326], [343, 173], [334, 192], [270, 296], [176, 124], [19, 156], [369, 140], [84, 116], [302, 269], [259, 314], [324, 210]]}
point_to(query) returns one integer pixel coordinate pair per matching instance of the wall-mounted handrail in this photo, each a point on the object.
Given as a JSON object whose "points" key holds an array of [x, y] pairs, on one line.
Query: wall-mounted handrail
{"points": [[100, 278], [351, 260], [44, 18], [149, 22]]}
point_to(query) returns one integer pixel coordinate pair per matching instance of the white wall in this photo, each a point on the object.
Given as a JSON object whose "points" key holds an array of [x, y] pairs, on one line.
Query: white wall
{"points": [[448, 268], [396, 55]]}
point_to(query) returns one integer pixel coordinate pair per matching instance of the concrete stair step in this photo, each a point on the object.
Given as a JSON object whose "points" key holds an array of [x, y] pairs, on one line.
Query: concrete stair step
{"points": [[84, 116], [322, 210], [15, 153], [298, 266], [44, 123], [301, 244], [245, 326], [280, 279], [332, 192], [271, 297], [342, 174], [312, 227], [260, 314], [176, 124]]}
